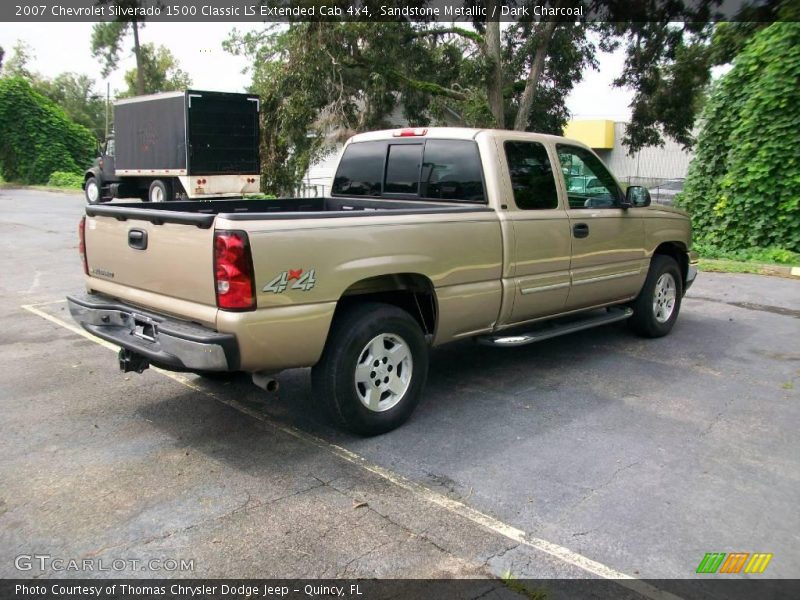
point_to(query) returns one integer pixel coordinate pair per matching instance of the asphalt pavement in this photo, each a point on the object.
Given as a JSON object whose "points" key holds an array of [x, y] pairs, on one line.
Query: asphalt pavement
{"points": [[596, 454]]}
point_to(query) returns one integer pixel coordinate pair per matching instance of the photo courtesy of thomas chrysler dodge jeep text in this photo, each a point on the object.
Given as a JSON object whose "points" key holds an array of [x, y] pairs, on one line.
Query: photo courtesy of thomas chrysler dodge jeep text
{"points": [[429, 236]]}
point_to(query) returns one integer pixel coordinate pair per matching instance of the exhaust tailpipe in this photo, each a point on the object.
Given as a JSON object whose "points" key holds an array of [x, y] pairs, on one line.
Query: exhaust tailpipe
{"points": [[266, 382]]}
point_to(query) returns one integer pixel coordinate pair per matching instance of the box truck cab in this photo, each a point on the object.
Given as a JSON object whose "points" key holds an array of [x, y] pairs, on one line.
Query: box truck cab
{"points": [[190, 144]]}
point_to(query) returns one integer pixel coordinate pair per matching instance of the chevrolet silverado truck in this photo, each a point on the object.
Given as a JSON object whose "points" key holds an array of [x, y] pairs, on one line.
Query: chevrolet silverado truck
{"points": [[428, 236]]}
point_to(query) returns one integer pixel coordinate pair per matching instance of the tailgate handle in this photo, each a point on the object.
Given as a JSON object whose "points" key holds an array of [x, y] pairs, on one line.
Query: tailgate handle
{"points": [[137, 239]]}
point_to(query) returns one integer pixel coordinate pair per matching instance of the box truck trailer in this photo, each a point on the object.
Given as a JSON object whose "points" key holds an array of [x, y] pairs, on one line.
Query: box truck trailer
{"points": [[190, 144]]}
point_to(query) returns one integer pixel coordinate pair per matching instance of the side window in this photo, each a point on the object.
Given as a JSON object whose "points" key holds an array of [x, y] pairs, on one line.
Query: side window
{"points": [[451, 170], [402, 169], [589, 184], [531, 175], [360, 170], [110, 147]]}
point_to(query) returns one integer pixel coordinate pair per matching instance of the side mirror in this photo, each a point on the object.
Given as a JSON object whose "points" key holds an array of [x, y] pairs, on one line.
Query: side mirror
{"points": [[637, 196]]}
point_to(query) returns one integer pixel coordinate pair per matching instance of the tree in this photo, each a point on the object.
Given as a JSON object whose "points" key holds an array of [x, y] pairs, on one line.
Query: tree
{"points": [[159, 72], [742, 186], [107, 40], [18, 65], [75, 93], [38, 137], [316, 79], [336, 79]]}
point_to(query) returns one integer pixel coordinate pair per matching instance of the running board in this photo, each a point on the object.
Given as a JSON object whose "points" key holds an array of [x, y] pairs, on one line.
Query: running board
{"points": [[554, 330]]}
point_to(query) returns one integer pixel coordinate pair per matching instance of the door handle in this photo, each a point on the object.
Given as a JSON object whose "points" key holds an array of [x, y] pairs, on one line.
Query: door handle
{"points": [[580, 230], [137, 239]]}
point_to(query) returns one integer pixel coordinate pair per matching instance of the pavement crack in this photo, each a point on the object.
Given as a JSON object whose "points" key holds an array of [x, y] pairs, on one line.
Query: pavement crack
{"points": [[499, 555], [245, 505], [344, 569], [594, 490]]}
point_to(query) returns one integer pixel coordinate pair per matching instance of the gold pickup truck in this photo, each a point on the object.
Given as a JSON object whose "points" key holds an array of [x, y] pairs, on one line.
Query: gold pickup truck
{"points": [[428, 236]]}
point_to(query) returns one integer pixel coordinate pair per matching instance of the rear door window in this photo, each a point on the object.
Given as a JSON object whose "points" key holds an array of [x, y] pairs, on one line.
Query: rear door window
{"points": [[360, 171]]}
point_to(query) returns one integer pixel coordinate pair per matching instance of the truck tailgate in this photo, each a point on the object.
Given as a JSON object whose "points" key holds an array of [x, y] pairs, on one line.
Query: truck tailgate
{"points": [[170, 259]]}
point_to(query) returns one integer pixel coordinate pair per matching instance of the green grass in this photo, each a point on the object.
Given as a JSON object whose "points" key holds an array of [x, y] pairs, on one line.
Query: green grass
{"points": [[737, 266], [760, 261], [765, 256]]}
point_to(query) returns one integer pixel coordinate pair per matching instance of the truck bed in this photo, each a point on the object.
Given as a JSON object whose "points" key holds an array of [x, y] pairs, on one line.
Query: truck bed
{"points": [[202, 214]]}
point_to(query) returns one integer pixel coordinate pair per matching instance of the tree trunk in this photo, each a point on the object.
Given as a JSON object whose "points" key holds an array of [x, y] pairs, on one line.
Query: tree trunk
{"points": [[537, 67], [495, 82], [137, 50]]}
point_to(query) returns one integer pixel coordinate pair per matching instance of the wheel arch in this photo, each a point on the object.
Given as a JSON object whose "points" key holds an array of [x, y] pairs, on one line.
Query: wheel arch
{"points": [[411, 292], [677, 251], [93, 172]]}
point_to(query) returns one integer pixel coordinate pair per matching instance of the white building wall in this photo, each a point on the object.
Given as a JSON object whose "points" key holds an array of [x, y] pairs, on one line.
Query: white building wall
{"points": [[649, 165]]}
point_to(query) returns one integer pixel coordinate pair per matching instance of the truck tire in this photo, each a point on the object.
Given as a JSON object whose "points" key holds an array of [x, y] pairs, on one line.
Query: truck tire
{"points": [[160, 191], [373, 368], [656, 308], [92, 191]]}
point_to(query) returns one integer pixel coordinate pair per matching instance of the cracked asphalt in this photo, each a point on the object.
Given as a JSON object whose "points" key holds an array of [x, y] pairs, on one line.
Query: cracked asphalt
{"points": [[641, 455]]}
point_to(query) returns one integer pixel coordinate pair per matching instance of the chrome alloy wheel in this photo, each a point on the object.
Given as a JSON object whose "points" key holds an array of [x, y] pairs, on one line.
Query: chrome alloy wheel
{"points": [[664, 296], [383, 372]]}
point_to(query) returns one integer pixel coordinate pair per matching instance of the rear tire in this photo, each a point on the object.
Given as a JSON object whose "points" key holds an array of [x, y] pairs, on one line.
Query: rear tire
{"points": [[373, 369], [92, 191], [160, 191], [656, 308]]}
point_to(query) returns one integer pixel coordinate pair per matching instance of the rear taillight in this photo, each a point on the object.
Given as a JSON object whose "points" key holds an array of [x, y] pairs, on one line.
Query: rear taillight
{"points": [[82, 244], [233, 271]]}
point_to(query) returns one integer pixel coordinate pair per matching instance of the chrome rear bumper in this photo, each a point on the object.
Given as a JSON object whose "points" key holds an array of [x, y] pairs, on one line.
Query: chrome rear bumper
{"points": [[164, 341]]}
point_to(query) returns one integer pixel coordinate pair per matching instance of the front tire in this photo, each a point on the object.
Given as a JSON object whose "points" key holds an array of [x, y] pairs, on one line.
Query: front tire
{"points": [[373, 369], [92, 191], [656, 308], [160, 191]]}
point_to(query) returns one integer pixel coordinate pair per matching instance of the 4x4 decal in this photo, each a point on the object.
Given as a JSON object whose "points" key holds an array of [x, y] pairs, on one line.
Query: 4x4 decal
{"points": [[302, 281]]}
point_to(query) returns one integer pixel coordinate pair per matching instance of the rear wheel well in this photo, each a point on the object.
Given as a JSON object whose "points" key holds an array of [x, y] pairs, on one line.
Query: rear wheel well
{"points": [[677, 251], [410, 292]]}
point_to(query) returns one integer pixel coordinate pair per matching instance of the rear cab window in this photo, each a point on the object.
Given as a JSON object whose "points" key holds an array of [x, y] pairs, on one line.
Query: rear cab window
{"points": [[434, 169]]}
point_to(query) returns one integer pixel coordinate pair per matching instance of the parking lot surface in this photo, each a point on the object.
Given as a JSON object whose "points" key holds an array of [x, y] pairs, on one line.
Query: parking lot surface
{"points": [[596, 454]]}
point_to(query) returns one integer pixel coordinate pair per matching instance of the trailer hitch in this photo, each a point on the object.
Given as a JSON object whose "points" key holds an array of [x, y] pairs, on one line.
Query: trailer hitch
{"points": [[130, 361]]}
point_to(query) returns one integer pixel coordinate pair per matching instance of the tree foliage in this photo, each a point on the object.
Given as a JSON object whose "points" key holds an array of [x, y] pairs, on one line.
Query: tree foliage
{"points": [[108, 38], [316, 79], [321, 82], [18, 64], [742, 187], [160, 73], [76, 94], [38, 137]]}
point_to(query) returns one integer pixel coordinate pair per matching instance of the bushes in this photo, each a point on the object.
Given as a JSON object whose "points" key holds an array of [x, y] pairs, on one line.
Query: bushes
{"points": [[38, 137], [66, 180], [743, 188]]}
